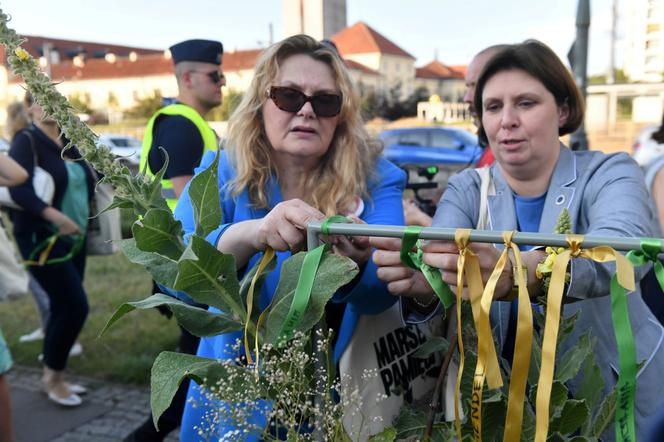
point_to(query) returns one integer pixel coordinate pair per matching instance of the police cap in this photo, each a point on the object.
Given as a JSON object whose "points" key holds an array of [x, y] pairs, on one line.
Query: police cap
{"points": [[206, 51]]}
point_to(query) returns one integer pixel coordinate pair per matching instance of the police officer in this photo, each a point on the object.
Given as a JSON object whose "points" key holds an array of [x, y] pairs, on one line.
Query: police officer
{"points": [[182, 132], [180, 128]]}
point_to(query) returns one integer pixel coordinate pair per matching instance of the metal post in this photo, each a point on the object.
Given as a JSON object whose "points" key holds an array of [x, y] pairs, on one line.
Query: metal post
{"points": [[484, 236], [579, 139]]}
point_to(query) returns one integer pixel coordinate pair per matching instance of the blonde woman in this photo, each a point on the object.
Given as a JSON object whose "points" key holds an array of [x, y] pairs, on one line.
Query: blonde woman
{"points": [[297, 152]]}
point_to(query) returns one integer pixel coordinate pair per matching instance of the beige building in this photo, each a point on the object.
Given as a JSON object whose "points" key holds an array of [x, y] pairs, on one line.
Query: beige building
{"points": [[319, 18], [644, 56]]}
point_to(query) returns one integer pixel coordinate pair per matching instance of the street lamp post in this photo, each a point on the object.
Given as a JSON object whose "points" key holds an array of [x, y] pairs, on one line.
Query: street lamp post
{"points": [[579, 139]]}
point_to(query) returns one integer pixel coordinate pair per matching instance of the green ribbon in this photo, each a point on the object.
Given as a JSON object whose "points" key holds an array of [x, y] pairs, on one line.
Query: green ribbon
{"points": [[626, 387], [413, 259], [46, 245], [305, 282]]}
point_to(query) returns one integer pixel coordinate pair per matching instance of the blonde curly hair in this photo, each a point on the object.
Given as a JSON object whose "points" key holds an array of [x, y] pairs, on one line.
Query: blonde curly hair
{"points": [[346, 168]]}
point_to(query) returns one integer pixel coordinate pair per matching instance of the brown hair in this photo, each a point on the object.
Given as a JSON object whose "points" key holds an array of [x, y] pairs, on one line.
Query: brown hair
{"points": [[343, 171], [539, 61], [17, 118]]}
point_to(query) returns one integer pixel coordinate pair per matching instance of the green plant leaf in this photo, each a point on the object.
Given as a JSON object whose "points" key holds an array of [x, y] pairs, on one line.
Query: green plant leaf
{"points": [[209, 277], [159, 232], [334, 272], [152, 192], [605, 414], [528, 425], [120, 202], [572, 416], [590, 389], [556, 437], [196, 320], [170, 368], [559, 396], [432, 345], [389, 434], [205, 199], [570, 362], [410, 422], [162, 269]]}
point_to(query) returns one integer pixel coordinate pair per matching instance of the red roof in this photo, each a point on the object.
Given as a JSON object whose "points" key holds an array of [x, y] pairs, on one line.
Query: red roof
{"points": [[438, 70], [68, 49], [355, 66], [144, 66], [461, 68], [362, 38]]}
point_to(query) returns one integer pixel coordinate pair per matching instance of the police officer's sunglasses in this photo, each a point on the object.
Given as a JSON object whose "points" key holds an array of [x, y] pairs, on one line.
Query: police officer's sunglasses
{"points": [[214, 76], [291, 100]]}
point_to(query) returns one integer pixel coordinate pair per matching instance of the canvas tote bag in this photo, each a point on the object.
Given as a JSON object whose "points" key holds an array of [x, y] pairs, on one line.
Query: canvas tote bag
{"points": [[13, 276], [103, 228], [379, 365]]}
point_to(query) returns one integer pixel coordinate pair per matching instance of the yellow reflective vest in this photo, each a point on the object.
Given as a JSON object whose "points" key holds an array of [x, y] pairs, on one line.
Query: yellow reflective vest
{"points": [[207, 134]]}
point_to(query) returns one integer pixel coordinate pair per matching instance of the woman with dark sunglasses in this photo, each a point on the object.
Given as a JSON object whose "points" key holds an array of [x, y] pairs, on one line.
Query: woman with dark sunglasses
{"points": [[297, 152]]}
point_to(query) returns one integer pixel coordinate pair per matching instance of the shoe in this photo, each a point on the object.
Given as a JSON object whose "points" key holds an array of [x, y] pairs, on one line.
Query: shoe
{"points": [[77, 388], [73, 400], [58, 390], [36, 335], [76, 349]]}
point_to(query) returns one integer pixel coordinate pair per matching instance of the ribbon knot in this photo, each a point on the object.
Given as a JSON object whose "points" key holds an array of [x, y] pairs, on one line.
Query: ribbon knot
{"points": [[574, 242], [462, 239], [507, 238]]}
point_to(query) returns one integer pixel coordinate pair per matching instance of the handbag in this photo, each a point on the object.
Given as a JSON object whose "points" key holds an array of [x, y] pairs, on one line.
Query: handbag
{"points": [[42, 182], [103, 228], [13, 276], [379, 366]]}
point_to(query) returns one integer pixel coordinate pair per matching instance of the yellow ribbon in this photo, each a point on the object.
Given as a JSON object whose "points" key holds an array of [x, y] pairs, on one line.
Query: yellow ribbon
{"points": [[625, 276], [468, 264], [522, 349], [268, 254]]}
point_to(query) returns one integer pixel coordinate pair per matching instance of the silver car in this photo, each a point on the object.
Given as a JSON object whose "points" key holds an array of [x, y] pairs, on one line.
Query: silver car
{"points": [[124, 146]]}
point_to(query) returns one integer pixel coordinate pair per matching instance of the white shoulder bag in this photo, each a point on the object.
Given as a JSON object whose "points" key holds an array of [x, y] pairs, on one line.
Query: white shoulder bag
{"points": [[42, 182]]}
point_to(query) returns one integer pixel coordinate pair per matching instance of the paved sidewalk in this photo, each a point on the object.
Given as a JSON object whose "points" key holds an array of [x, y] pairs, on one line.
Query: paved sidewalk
{"points": [[109, 412]]}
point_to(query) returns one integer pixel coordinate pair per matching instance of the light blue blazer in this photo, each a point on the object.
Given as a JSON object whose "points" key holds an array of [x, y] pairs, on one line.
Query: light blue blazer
{"points": [[605, 196]]}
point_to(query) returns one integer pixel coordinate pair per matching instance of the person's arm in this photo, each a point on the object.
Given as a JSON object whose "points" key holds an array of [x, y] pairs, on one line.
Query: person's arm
{"points": [[11, 173], [179, 183], [615, 203]]}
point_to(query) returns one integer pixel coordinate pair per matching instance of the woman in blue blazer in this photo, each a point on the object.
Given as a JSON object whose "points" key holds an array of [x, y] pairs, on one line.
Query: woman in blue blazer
{"points": [[297, 152]]}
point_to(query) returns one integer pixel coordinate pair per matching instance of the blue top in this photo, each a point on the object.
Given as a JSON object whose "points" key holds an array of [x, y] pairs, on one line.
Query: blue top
{"points": [[367, 296]]}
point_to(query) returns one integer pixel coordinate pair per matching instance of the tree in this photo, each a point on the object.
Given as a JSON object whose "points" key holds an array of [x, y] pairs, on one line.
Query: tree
{"points": [[81, 102], [146, 106], [230, 103]]}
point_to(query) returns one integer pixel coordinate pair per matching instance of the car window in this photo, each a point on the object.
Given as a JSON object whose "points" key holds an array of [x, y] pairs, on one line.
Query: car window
{"points": [[413, 138], [444, 139], [125, 142]]}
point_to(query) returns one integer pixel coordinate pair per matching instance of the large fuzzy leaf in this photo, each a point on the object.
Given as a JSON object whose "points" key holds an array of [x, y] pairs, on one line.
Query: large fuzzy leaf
{"points": [[205, 200], [389, 434], [432, 345], [198, 321], [162, 269], [591, 389], [245, 283], [334, 272], [571, 361], [209, 277], [159, 232], [605, 415], [169, 369], [572, 416]]}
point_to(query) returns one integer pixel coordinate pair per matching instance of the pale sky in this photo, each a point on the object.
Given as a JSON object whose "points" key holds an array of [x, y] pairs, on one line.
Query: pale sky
{"points": [[456, 30]]}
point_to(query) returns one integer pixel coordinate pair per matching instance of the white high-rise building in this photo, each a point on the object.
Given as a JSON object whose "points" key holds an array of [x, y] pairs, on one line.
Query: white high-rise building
{"points": [[318, 18], [644, 57]]}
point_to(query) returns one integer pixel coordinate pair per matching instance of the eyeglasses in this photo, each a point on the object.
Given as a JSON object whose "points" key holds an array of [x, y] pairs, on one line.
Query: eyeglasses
{"points": [[214, 76], [291, 100]]}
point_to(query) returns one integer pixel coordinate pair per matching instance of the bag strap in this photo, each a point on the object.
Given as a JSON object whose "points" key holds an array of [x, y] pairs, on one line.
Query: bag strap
{"points": [[486, 189], [28, 133]]}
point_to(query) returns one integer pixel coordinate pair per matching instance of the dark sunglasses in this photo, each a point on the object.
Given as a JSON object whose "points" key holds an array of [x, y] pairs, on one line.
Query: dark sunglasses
{"points": [[291, 100], [214, 76]]}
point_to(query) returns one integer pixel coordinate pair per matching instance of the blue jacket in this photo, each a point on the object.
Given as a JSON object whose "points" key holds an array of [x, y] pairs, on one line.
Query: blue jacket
{"points": [[605, 196], [367, 296]]}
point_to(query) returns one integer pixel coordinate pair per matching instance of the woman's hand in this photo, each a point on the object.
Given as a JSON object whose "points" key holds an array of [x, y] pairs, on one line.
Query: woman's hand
{"points": [[356, 248], [284, 227], [400, 280], [64, 224]]}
